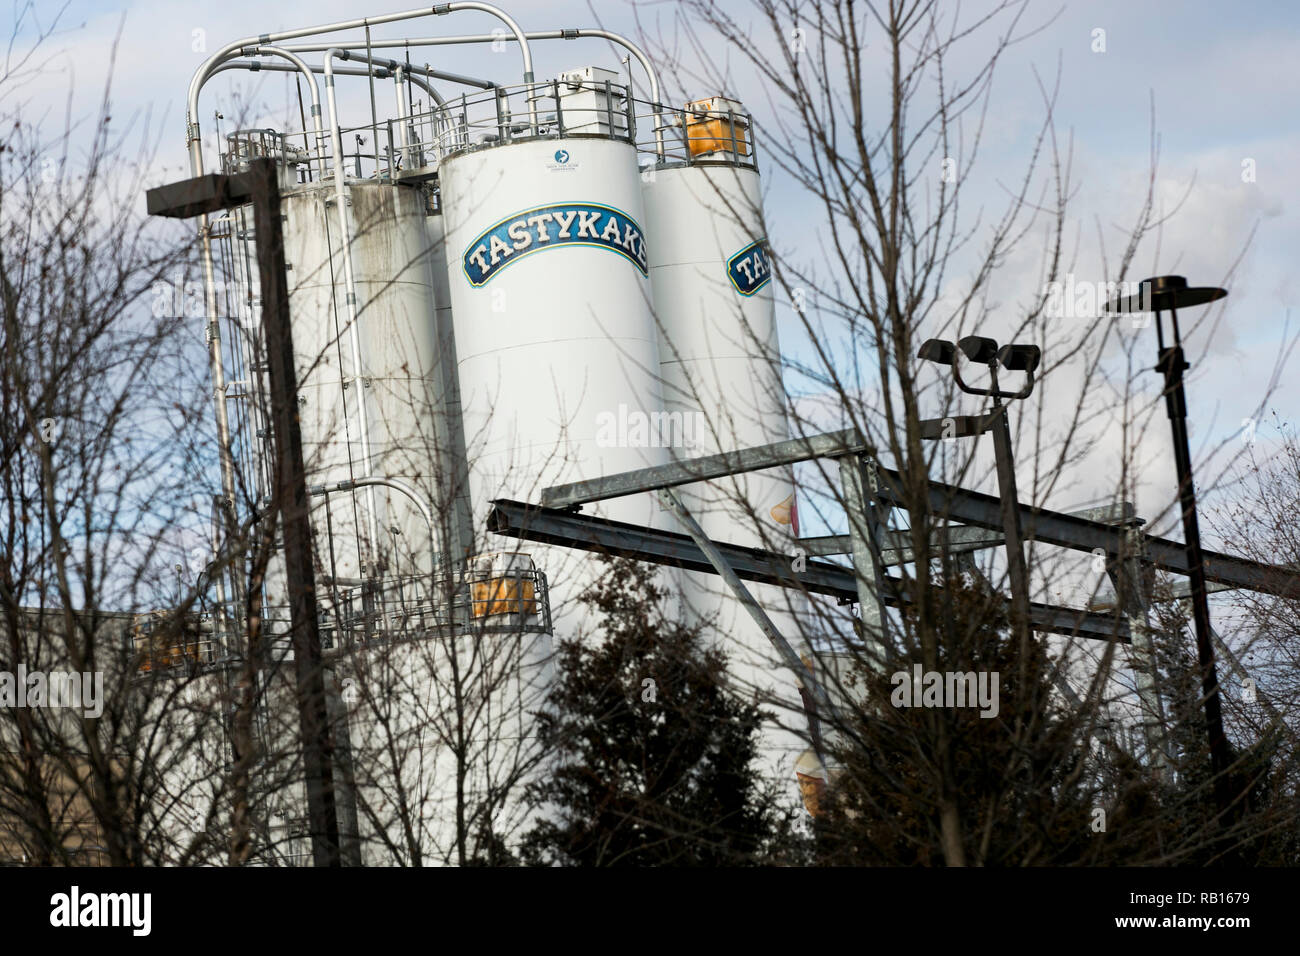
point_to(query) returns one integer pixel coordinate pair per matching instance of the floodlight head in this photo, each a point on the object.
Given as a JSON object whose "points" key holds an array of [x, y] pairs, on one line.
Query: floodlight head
{"points": [[979, 349], [939, 351], [1020, 358]]}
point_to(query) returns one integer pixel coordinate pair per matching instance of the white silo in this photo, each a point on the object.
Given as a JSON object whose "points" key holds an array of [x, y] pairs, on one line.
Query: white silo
{"points": [[501, 658], [721, 366], [396, 347], [555, 335]]}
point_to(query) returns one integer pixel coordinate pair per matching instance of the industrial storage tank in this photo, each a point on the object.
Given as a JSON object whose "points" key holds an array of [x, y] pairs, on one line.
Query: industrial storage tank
{"points": [[480, 626], [383, 374], [490, 328], [416, 592], [551, 300], [721, 367]]}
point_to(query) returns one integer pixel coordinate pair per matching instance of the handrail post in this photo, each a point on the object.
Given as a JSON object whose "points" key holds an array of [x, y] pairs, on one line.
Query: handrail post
{"points": [[609, 107], [631, 116]]}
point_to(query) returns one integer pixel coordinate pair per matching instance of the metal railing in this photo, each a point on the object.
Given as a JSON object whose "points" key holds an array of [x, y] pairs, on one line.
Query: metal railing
{"points": [[357, 613], [412, 146], [245, 145], [569, 108], [163, 643]]}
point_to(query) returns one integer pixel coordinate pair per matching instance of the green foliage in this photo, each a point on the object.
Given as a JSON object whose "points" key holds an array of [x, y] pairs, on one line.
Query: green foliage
{"points": [[1014, 776], [1027, 783], [655, 752]]}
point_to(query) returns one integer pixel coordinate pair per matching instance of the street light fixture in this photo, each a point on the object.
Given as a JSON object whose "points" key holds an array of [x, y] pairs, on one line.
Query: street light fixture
{"points": [[1169, 294], [978, 348], [1020, 358], [1013, 358], [939, 351]]}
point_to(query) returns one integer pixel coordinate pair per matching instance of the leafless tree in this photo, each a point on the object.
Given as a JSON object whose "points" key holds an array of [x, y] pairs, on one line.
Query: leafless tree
{"points": [[878, 113], [99, 466]]}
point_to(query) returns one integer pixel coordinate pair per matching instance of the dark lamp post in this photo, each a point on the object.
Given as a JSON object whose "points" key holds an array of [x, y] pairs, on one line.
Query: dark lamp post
{"points": [[1169, 294]]}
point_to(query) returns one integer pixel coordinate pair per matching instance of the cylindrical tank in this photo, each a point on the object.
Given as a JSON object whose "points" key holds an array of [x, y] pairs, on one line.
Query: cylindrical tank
{"points": [[396, 304], [721, 369], [719, 354], [556, 340], [408, 347]]}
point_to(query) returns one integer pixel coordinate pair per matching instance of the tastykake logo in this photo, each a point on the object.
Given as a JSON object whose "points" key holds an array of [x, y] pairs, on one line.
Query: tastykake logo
{"points": [[547, 227], [748, 269]]}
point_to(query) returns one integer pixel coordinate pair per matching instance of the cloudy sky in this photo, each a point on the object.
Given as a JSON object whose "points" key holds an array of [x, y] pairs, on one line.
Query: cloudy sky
{"points": [[1222, 77]]}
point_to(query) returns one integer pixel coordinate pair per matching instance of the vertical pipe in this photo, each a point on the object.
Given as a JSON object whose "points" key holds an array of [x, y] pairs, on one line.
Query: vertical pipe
{"points": [[350, 286], [374, 114], [220, 548], [631, 114], [216, 365], [520, 37], [403, 110]]}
